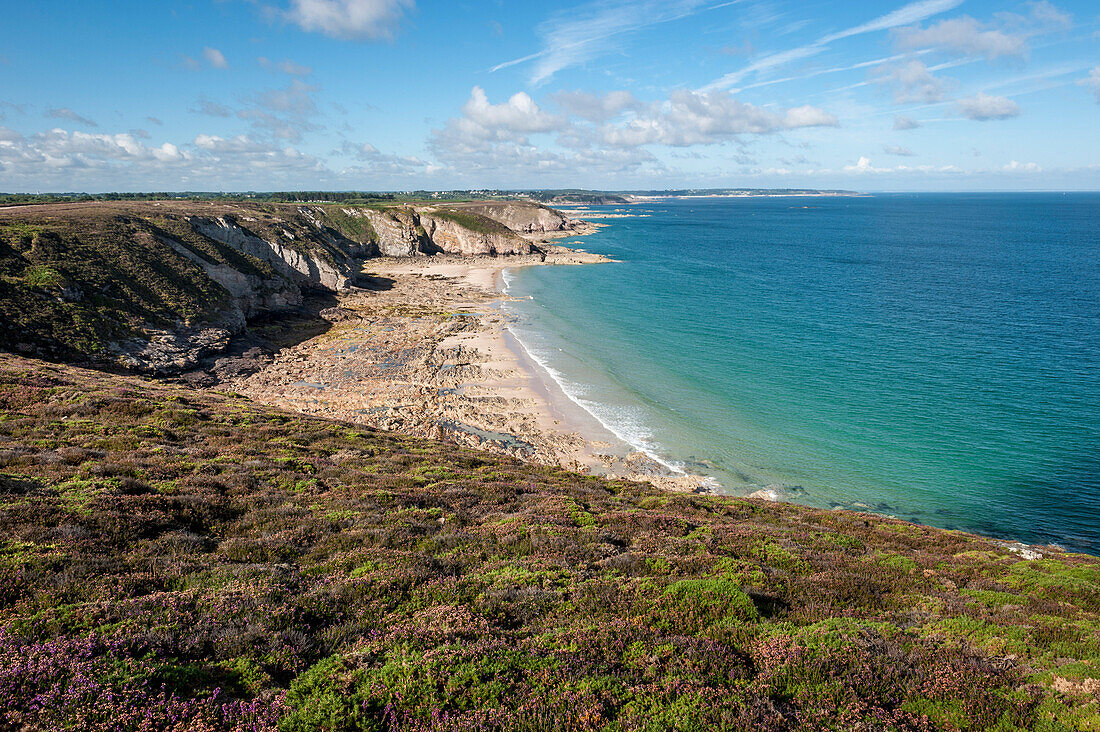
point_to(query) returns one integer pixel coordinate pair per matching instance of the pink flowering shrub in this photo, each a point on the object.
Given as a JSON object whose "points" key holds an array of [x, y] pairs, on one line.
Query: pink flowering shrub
{"points": [[180, 560]]}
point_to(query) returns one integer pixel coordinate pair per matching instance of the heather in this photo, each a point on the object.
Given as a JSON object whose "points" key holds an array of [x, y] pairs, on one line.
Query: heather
{"points": [[174, 559]]}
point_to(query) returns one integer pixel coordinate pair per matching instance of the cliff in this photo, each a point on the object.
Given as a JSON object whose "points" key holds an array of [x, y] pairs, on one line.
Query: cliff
{"points": [[186, 560], [157, 286], [519, 216]]}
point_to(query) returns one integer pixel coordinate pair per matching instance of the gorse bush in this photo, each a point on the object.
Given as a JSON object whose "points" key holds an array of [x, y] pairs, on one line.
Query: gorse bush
{"points": [[182, 560]]}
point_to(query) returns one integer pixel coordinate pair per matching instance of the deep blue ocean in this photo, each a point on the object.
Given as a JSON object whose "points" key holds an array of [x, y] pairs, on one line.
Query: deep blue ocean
{"points": [[934, 357]]}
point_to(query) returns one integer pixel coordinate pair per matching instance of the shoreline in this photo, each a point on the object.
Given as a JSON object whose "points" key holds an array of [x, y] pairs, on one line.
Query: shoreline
{"points": [[556, 391], [428, 351]]}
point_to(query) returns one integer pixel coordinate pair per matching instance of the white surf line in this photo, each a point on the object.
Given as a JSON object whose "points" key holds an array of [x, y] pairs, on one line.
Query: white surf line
{"points": [[564, 385]]}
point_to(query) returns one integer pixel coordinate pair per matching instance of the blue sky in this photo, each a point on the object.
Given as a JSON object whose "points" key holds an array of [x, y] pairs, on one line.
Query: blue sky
{"points": [[404, 94]]}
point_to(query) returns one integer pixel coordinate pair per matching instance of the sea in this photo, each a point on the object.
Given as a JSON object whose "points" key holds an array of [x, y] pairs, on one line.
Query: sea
{"points": [[934, 357]]}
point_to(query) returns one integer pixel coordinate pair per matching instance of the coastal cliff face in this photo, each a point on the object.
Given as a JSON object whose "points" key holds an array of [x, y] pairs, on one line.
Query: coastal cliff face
{"points": [[158, 286], [413, 231], [454, 235], [302, 267]]}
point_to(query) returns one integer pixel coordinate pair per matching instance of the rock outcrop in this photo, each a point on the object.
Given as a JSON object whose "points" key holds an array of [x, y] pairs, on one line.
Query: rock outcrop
{"points": [[519, 216], [410, 232], [396, 230], [304, 266], [452, 237], [253, 294]]}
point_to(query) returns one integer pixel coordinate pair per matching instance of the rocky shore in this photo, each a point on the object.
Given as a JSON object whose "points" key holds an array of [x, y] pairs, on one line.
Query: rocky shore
{"points": [[426, 352]]}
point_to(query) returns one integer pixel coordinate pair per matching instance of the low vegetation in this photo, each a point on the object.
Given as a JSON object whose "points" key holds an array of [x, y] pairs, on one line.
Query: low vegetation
{"points": [[472, 221], [69, 285], [180, 560]]}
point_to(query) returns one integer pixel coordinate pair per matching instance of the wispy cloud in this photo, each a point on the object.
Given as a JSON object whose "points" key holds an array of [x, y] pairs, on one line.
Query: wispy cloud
{"points": [[898, 150], [906, 15], [215, 58], [587, 32], [1092, 81], [66, 113], [832, 70], [912, 81], [286, 66]]}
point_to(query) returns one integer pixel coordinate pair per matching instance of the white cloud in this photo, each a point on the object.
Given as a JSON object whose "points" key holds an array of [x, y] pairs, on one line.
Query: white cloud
{"points": [[607, 135], [808, 116], [284, 113], [913, 82], [596, 107], [518, 114], [64, 160], [1092, 81], [764, 63], [698, 118], [902, 123], [58, 149], [348, 19], [492, 140], [66, 113], [963, 35], [238, 144], [1018, 167], [984, 107], [863, 165], [897, 150], [215, 58]]}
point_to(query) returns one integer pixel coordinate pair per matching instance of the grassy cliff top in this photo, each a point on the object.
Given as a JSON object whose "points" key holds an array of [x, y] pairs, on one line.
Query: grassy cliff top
{"points": [[74, 277], [174, 559]]}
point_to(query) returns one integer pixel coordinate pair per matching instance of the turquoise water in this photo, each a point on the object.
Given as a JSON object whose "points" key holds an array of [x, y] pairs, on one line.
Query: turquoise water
{"points": [[932, 357]]}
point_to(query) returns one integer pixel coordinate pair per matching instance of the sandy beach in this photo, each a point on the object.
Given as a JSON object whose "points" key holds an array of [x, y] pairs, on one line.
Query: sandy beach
{"points": [[426, 351]]}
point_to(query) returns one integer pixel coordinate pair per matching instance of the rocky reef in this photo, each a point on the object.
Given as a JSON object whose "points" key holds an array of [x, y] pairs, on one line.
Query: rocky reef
{"points": [[156, 287]]}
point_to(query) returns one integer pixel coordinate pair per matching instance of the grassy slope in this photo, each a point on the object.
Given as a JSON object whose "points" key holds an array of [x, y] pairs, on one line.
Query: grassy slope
{"points": [[174, 559], [71, 284]]}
